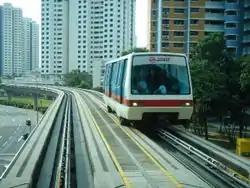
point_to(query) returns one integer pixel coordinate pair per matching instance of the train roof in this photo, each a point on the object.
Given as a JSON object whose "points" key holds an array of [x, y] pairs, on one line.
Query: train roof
{"points": [[145, 53]]}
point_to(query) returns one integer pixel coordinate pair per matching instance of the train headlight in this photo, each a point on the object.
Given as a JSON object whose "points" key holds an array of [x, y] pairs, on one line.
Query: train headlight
{"points": [[187, 104], [134, 104]]}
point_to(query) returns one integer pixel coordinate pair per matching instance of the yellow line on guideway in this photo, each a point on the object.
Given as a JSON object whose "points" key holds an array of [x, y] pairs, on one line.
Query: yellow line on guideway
{"points": [[122, 173], [179, 185]]}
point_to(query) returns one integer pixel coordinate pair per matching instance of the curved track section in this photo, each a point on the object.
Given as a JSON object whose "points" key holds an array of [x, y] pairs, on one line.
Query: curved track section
{"points": [[66, 162], [22, 170]]}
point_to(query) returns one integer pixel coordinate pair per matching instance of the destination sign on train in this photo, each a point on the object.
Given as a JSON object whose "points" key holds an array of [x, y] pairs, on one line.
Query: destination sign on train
{"points": [[155, 59]]}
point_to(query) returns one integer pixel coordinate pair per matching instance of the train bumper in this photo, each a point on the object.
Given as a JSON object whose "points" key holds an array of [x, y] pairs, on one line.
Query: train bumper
{"points": [[137, 113]]}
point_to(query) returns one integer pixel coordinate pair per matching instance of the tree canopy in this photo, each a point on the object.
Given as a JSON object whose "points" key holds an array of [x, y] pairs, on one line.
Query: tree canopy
{"points": [[134, 50], [78, 79], [220, 83]]}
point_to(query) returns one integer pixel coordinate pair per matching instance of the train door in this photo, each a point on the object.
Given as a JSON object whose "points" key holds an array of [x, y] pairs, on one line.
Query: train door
{"points": [[123, 79], [108, 80], [120, 79], [114, 73]]}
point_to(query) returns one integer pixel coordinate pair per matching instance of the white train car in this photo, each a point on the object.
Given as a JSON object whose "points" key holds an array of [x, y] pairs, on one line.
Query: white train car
{"points": [[139, 86]]}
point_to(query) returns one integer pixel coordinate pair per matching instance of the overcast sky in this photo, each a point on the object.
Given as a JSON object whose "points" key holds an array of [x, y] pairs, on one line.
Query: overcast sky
{"points": [[31, 9]]}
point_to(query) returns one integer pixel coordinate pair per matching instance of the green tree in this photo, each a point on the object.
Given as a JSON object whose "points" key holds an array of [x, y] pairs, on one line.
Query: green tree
{"points": [[214, 76], [205, 88], [100, 89], [134, 50], [78, 79], [245, 73]]}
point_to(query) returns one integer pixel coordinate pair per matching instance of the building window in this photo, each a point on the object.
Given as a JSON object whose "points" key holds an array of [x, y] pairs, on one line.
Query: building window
{"points": [[194, 33], [178, 33], [231, 37], [195, 10], [231, 12], [178, 45], [231, 25], [179, 11], [194, 22], [165, 22], [178, 22]]}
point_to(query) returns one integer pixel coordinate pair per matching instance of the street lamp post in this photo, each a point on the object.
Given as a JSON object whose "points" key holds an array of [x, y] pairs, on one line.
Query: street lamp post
{"points": [[37, 106], [37, 98]]}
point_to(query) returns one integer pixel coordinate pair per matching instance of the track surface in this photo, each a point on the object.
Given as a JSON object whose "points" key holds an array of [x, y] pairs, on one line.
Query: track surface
{"points": [[140, 167]]}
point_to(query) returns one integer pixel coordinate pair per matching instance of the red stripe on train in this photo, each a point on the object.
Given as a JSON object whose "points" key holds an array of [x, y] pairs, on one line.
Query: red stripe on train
{"points": [[150, 103]]}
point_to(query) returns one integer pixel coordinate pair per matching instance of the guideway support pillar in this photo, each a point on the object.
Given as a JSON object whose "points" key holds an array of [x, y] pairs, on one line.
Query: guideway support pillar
{"points": [[10, 95], [35, 96]]}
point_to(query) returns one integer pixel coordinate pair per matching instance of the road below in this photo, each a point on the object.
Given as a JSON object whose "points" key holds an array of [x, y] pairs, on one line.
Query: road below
{"points": [[12, 127]]}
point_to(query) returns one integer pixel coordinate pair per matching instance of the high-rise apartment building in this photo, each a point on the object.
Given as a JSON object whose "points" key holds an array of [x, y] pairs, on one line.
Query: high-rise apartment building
{"points": [[7, 40], [35, 43], [31, 45], [27, 44], [246, 33], [177, 25], [1, 37], [78, 34], [17, 32], [19, 42]]}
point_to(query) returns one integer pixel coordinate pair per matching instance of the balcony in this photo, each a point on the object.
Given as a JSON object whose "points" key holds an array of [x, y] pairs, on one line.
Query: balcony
{"points": [[231, 43], [246, 39], [247, 15], [214, 16], [246, 51], [229, 6], [231, 18], [214, 28], [231, 31], [247, 27], [247, 4], [214, 5]]}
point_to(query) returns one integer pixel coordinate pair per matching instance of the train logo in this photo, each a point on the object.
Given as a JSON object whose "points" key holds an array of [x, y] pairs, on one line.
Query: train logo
{"points": [[152, 59]]}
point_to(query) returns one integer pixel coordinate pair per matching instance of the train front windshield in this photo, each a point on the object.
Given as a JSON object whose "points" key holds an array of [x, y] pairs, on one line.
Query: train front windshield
{"points": [[159, 75]]}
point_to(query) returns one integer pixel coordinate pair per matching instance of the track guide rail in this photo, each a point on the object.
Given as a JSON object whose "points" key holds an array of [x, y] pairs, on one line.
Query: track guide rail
{"points": [[207, 159]]}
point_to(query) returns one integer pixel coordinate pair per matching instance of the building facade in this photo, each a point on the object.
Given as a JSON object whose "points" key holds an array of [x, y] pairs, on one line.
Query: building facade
{"points": [[1, 41], [31, 45], [27, 45], [35, 43], [77, 34], [246, 32], [16, 42], [175, 26], [7, 40]]}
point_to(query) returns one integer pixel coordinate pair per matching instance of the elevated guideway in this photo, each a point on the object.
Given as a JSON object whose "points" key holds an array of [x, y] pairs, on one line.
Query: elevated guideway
{"points": [[78, 144]]}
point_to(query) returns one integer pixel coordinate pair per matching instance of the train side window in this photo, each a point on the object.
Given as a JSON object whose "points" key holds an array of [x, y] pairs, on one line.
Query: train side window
{"points": [[114, 73], [106, 75], [123, 77], [109, 66], [119, 73]]}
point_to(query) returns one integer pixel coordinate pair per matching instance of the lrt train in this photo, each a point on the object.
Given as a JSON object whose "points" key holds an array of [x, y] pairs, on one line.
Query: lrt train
{"points": [[144, 86]]}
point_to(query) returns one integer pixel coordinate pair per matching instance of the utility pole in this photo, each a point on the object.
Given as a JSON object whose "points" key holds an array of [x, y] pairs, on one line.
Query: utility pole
{"points": [[188, 29]]}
